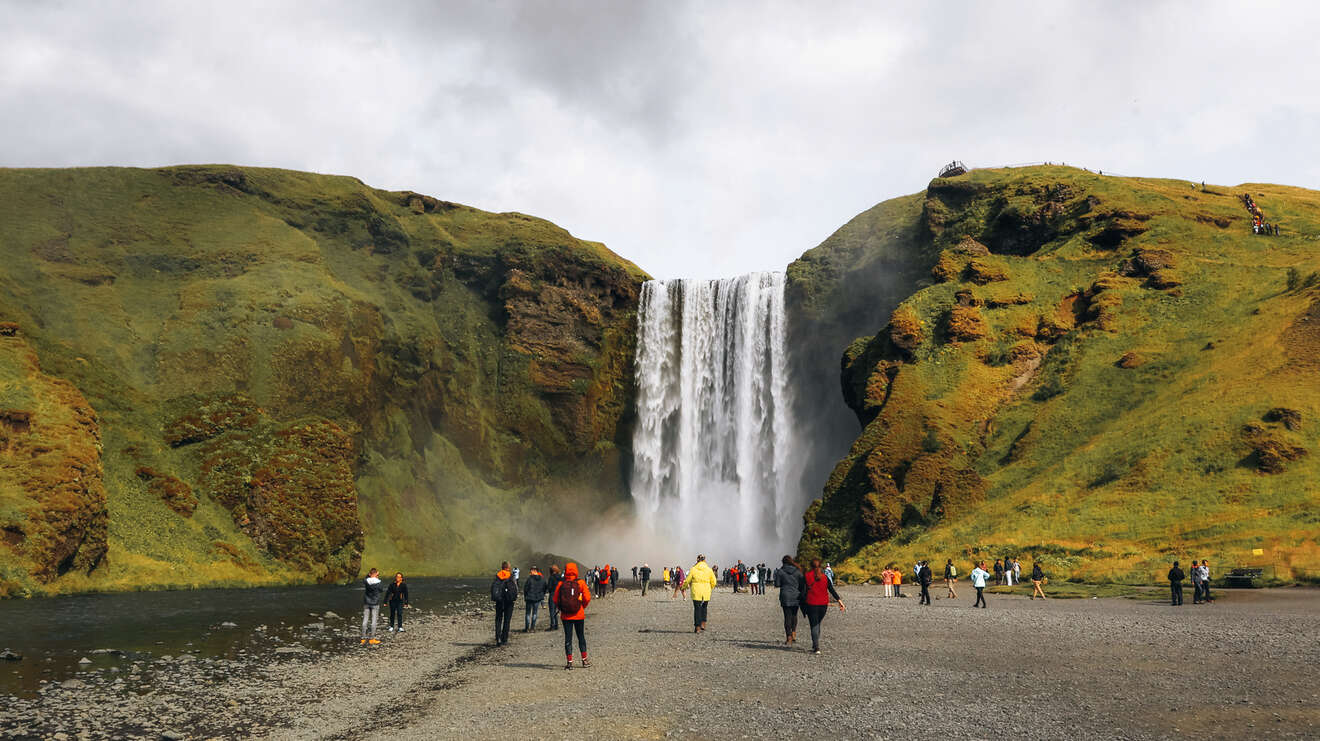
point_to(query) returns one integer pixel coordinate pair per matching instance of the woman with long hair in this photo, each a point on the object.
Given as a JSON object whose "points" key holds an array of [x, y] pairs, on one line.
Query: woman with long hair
{"points": [[397, 597], [789, 581], [819, 589]]}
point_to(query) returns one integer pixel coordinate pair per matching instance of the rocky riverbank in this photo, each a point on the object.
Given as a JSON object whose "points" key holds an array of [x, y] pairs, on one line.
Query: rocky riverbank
{"points": [[1245, 666]]}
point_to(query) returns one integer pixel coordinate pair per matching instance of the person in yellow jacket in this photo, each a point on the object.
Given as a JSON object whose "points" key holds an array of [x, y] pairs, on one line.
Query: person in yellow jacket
{"points": [[702, 581]]}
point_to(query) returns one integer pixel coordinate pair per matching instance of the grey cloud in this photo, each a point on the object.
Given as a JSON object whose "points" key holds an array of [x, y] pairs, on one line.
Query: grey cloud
{"points": [[694, 138]]}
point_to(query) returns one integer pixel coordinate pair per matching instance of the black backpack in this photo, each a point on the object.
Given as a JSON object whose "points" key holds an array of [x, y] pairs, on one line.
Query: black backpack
{"points": [[504, 590]]}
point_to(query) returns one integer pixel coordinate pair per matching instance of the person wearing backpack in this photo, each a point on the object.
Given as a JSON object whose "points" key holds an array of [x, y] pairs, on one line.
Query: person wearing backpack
{"points": [[503, 592], [950, 576], [533, 593], [551, 583], [701, 578], [572, 597]]}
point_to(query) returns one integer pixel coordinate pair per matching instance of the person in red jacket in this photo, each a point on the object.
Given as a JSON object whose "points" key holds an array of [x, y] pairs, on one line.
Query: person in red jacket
{"points": [[571, 597], [817, 600]]}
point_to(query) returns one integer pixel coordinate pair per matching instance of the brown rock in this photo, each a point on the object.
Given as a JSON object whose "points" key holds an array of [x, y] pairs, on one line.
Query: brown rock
{"points": [[1291, 418], [1130, 360], [969, 246], [947, 268], [965, 324], [905, 329]]}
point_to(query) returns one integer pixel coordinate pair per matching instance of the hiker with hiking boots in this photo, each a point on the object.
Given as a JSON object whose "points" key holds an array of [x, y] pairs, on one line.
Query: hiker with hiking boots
{"points": [[572, 597]]}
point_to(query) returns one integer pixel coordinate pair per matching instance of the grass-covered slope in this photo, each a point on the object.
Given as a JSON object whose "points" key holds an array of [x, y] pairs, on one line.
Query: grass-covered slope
{"points": [[293, 374], [1102, 372]]}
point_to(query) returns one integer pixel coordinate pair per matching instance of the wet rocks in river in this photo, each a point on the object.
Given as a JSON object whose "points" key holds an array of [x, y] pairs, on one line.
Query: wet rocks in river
{"points": [[7, 655]]}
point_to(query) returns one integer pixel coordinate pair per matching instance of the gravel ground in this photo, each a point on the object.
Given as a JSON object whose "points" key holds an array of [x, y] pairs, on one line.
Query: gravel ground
{"points": [[1109, 668]]}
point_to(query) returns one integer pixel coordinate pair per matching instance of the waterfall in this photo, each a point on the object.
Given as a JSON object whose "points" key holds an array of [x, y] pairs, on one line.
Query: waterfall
{"points": [[715, 467]]}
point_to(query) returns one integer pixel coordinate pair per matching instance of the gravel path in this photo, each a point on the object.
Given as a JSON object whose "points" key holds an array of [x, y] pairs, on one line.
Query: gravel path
{"points": [[1107, 668]]}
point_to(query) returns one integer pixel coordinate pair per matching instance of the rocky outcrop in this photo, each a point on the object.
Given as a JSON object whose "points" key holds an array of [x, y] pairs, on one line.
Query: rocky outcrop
{"points": [[53, 515], [293, 369], [1027, 416]]}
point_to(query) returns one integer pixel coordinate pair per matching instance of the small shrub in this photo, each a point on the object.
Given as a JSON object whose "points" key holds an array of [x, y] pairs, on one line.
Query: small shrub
{"points": [[1294, 279]]}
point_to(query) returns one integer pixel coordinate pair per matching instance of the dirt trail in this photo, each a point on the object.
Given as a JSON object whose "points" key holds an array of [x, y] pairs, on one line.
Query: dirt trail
{"points": [[1246, 666]]}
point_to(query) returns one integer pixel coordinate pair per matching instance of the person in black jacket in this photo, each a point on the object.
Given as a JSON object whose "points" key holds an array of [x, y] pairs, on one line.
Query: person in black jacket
{"points": [[924, 577], [1176, 577], [397, 597], [503, 592], [791, 586], [645, 574], [553, 581], [533, 593]]}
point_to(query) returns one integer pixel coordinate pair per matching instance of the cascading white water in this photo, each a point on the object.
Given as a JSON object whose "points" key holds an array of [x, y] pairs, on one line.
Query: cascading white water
{"points": [[715, 467]]}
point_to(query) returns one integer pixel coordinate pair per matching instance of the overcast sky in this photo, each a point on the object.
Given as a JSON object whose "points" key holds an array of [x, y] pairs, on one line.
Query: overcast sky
{"points": [[698, 139]]}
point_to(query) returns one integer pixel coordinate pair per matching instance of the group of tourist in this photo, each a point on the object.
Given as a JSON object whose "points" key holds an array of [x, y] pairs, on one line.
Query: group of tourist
{"points": [[1200, 575], [807, 592], [1258, 223]]}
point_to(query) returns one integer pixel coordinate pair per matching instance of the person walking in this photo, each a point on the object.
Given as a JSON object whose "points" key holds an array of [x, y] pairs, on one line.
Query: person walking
{"points": [[979, 577], [602, 581], [702, 581], [572, 597], [925, 577], [1205, 582], [1017, 571], [396, 596], [950, 576], [614, 578], [664, 576], [373, 589], [1037, 578], [1176, 577], [645, 574], [551, 584], [791, 585], [533, 593], [503, 592], [819, 590], [634, 569], [679, 587]]}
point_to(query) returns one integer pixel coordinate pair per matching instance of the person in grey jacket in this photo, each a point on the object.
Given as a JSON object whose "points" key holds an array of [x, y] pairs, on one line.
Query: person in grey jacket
{"points": [[533, 593], [792, 586], [373, 590]]}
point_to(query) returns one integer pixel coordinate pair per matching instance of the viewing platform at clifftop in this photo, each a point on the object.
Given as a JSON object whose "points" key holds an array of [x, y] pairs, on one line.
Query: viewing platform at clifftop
{"points": [[953, 169]]}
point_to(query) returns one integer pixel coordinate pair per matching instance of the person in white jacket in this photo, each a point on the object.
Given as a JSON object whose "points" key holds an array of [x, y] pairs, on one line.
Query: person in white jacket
{"points": [[979, 575]]}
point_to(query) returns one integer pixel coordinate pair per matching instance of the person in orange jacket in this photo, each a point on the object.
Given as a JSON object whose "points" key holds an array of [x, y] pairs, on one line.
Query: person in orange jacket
{"points": [[572, 597]]}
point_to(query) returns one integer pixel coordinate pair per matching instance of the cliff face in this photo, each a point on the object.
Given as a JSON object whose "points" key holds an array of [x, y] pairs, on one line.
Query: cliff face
{"points": [[293, 373], [1102, 373]]}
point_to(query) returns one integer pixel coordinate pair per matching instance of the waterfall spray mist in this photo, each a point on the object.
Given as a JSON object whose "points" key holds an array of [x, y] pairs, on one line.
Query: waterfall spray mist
{"points": [[716, 467]]}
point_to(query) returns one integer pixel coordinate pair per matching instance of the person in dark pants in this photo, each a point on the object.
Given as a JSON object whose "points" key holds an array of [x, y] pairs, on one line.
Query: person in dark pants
{"points": [[397, 598], [819, 590], [572, 597], [789, 581], [533, 593], [645, 574], [503, 592], [551, 584], [979, 577], [1205, 580], [925, 577], [1176, 577]]}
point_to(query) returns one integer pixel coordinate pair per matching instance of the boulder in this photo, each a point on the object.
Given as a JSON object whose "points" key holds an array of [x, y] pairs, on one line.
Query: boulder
{"points": [[1130, 360]]}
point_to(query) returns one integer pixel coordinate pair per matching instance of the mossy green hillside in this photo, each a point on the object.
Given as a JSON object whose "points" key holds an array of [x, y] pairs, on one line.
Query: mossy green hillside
{"points": [[301, 353], [1106, 373]]}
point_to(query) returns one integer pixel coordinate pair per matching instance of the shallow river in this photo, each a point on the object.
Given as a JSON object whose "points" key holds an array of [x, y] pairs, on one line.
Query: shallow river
{"points": [[54, 634]]}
